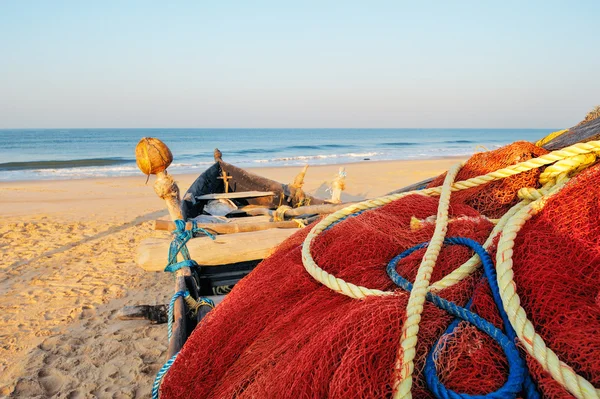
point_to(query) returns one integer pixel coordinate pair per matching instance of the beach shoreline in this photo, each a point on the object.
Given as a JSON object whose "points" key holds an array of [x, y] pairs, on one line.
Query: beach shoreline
{"points": [[256, 169], [67, 251]]}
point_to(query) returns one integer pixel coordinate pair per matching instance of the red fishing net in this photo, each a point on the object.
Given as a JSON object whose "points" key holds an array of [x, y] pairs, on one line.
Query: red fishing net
{"points": [[557, 269], [557, 273], [281, 334], [494, 199]]}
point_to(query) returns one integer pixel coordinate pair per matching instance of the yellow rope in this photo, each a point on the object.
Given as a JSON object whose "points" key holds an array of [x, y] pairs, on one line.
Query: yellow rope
{"points": [[410, 330], [300, 223], [467, 268], [359, 292], [531, 341], [551, 136], [194, 305], [566, 161]]}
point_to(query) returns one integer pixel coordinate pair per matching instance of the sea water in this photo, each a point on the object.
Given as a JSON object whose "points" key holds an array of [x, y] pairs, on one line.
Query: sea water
{"points": [[34, 154]]}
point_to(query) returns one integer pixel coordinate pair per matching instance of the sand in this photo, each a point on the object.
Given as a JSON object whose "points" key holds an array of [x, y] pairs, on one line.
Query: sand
{"points": [[66, 269]]}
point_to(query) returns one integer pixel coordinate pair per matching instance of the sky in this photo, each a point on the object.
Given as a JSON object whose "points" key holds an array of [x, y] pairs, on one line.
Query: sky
{"points": [[494, 64]]}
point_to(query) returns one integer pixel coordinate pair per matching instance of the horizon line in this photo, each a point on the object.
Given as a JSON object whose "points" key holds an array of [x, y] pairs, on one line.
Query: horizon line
{"points": [[272, 128]]}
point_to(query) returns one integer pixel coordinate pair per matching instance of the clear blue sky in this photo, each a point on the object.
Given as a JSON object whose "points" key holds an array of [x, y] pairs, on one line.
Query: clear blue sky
{"points": [[298, 64]]}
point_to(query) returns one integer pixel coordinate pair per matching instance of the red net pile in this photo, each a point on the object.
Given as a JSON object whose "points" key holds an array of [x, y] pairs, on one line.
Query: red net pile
{"points": [[557, 269], [495, 199], [281, 334]]}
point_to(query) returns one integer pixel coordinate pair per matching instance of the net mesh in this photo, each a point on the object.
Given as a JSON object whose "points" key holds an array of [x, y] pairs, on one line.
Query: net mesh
{"points": [[495, 199], [280, 333]]}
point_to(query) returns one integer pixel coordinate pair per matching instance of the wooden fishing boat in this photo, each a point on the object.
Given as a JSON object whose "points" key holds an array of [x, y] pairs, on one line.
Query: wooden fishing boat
{"points": [[254, 201], [259, 214]]}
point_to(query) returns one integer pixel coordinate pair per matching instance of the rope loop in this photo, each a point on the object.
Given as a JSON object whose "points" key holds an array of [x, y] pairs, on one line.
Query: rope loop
{"points": [[279, 214], [518, 375]]}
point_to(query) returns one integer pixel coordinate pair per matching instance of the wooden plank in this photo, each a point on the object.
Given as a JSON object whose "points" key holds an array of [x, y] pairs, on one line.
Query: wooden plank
{"points": [[415, 186], [250, 219], [231, 228], [239, 195], [301, 210], [225, 249]]}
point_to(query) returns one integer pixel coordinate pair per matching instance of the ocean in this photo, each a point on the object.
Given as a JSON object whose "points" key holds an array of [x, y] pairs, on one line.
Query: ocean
{"points": [[42, 154]]}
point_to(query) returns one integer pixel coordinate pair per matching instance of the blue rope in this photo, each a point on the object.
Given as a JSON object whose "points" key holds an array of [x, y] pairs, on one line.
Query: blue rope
{"points": [[178, 294], [344, 218], [178, 245], [161, 373], [517, 375], [163, 370]]}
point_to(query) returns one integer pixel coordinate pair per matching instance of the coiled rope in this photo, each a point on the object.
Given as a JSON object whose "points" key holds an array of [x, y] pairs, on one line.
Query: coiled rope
{"points": [[565, 161]]}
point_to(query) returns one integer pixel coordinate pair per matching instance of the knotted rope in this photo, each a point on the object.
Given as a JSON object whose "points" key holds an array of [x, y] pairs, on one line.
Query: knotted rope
{"points": [[279, 213], [178, 245], [565, 162]]}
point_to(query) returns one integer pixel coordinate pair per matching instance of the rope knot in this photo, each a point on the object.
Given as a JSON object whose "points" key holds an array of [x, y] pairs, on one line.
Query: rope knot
{"points": [[195, 305], [279, 214], [179, 226]]}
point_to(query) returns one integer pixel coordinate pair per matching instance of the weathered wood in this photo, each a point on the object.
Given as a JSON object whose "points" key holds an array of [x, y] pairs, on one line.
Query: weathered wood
{"points": [[415, 186], [230, 248], [179, 320], [338, 185], [218, 155], [237, 194], [301, 210], [577, 134], [247, 181], [167, 189], [231, 228], [156, 314], [251, 219]]}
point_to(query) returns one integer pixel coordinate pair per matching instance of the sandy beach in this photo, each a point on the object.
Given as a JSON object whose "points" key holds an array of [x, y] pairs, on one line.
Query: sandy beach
{"points": [[66, 269]]}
